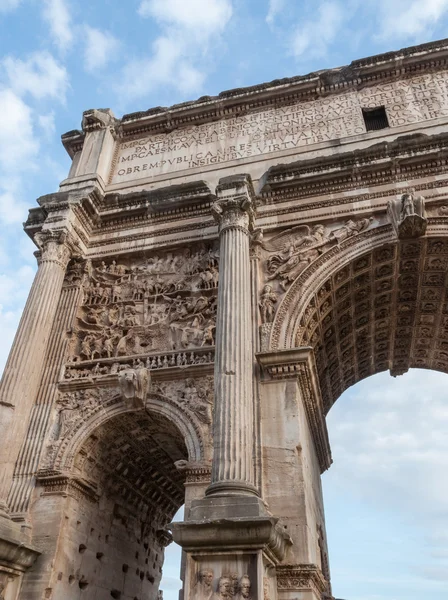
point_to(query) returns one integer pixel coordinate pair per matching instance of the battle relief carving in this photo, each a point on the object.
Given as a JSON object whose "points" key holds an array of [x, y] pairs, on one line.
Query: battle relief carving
{"points": [[290, 252], [140, 306], [407, 215], [229, 586]]}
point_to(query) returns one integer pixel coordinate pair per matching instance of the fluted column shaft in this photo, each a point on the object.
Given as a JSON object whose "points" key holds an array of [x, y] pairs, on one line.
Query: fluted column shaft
{"points": [[233, 429], [22, 374]]}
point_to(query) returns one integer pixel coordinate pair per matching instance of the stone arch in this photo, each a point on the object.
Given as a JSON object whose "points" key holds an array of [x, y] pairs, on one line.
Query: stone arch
{"points": [[115, 406], [120, 484], [371, 304]]}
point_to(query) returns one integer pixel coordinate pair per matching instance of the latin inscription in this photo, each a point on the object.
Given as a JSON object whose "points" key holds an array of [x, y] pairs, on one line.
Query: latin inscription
{"points": [[280, 129]]}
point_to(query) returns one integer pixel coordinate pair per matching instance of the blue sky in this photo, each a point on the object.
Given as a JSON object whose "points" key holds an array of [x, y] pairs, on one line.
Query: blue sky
{"points": [[386, 493]]}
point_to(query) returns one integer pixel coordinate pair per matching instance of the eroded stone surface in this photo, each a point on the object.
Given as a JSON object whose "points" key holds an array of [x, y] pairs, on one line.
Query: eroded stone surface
{"points": [[211, 278]]}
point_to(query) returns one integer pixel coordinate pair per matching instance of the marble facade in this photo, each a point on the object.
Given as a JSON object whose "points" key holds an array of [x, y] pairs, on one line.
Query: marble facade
{"points": [[211, 277]]}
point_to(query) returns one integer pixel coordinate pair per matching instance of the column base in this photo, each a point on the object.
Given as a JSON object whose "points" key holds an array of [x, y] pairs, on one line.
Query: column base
{"points": [[231, 544], [231, 488]]}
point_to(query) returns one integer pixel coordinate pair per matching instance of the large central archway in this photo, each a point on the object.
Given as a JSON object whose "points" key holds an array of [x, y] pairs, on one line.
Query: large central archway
{"points": [[384, 309]]}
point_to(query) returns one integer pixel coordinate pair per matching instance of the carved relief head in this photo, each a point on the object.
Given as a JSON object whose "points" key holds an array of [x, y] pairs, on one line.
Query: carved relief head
{"points": [[245, 586]]}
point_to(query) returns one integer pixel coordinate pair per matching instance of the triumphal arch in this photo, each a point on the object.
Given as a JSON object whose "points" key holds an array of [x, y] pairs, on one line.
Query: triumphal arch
{"points": [[212, 276]]}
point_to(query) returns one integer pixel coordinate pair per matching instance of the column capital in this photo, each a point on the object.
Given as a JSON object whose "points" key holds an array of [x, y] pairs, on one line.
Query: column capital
{"points": [[56, 246], [235, 204]]}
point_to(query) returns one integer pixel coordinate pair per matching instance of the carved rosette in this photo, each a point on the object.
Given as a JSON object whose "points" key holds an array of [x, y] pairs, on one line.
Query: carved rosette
{"points": [[233, 469]]}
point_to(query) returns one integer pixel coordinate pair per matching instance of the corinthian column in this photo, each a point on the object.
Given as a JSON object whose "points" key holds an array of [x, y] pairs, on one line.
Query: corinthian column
{"points": [[21, 377], [233, 428]]}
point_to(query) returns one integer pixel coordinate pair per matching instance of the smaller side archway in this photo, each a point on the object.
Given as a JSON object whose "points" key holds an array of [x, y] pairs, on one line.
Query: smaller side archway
{"points": [[114, 488]]}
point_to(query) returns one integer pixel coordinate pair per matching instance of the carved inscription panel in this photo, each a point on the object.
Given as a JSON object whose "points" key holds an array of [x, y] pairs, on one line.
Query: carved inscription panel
{"points": [[279, 129]]}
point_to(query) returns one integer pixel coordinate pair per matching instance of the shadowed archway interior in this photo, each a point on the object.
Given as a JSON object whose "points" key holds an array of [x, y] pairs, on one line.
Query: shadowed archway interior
{"points": [[135, 490]]}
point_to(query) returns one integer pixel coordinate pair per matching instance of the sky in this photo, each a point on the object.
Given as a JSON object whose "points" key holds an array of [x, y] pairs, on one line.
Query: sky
{"points": [[386, 492]]}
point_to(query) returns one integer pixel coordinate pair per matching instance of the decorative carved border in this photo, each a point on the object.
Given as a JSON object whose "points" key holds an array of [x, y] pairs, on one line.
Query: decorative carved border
{"points": [[300, 578]]}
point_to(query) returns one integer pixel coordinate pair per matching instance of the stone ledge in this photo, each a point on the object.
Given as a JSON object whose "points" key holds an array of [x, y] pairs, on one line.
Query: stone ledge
{"points": [[256, 533]]}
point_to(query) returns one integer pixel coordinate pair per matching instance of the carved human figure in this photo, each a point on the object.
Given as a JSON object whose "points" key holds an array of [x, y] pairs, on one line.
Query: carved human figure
{"points": [[224, 591], [267, 304], [244, 586], [68, 404], [86, 347], [235, 586], [407, 215], [208, 335], [203, 589], [134, 385]]}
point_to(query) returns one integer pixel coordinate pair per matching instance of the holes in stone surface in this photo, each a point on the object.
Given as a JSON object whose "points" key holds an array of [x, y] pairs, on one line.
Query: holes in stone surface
{"points": [[125, 568], [150, 578], [82, 548], [71, 579], [146, 546], [107, 538], [142, 575], [83, 584], [136, 555], [92, 530], [59, 576], [115, 594], [99, 555]]}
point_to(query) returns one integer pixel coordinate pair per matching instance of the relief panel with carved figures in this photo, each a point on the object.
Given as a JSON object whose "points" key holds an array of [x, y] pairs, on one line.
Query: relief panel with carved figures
{"points": [[139, 306], [287, 254]]}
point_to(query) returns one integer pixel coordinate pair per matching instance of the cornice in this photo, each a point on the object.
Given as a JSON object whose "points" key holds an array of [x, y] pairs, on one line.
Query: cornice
{"points": [[230, 103], [73, 141], [412, 156]]}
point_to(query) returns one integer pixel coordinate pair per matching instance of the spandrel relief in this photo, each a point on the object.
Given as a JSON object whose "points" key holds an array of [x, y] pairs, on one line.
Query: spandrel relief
{"points": [[139, 306], [192, 394]]}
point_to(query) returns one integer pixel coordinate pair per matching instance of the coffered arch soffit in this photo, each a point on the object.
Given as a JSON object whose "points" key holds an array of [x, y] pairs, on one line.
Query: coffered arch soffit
{"points": [[368, 305]]}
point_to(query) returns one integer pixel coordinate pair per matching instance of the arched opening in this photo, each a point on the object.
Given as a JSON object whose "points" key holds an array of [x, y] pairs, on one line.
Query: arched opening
{"points": [[129, 490], [385, 310], [385, 495]]}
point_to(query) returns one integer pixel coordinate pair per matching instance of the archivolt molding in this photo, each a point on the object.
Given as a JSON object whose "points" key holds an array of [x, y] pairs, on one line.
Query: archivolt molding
{"points": [[302, 289], [376, 304], [108, 404]]}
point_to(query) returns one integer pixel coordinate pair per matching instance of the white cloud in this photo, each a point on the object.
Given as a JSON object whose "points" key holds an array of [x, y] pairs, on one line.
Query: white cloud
{"points": [[47, 124], [312, 38], [205, 18], [275, 7], [9, 5], [17, 141], [180, 54], [409, 19], [390, 445], [18, 151], [101, 47], [57, 14], [40, 75]]}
